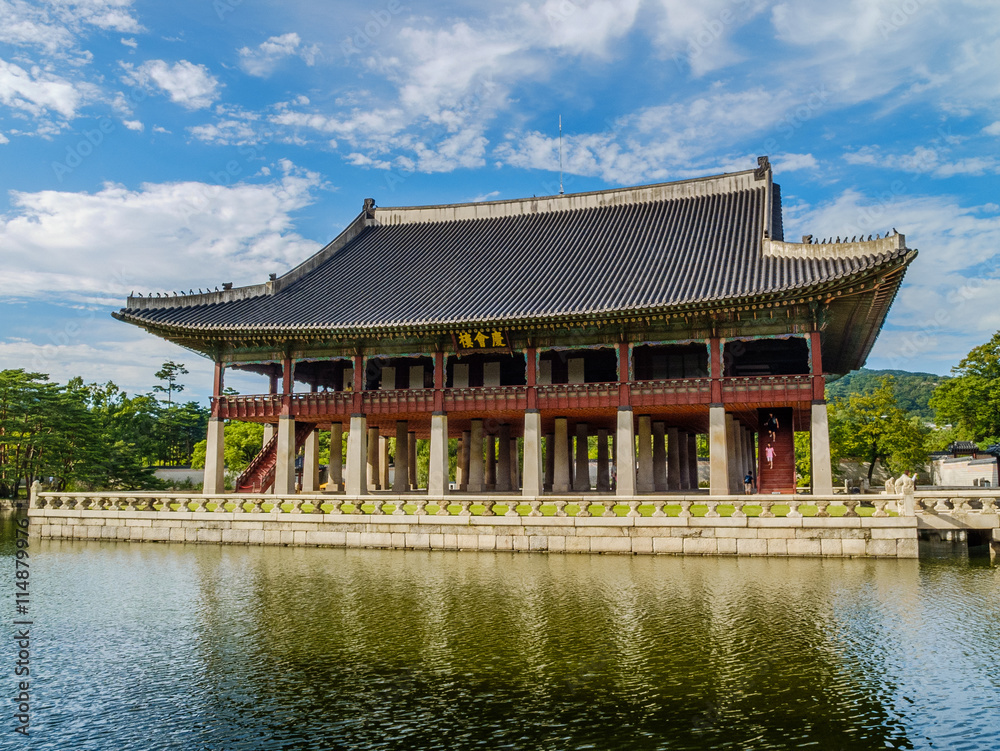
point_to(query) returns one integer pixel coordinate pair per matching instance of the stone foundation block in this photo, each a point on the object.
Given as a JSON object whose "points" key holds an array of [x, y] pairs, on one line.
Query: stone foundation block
{"points": [[751, 547], [804, 547], [701, 546], [727, 545], [578, 544], [777, 546], [881, 548], [907, 549], [610, 545], [642, 544], [668, 545], [832, 547], [894, 533], [237, 536]]}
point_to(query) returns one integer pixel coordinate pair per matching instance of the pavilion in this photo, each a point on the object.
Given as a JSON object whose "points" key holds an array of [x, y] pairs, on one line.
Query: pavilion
{"points": [[522, 329]]}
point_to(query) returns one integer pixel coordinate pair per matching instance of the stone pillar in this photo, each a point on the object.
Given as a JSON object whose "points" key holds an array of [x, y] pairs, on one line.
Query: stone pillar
{"points": [[515, 474], [819, 433], [411, 458], [532, 484], [718, 451], [732, 445], [550, 459], [357, 456], [659, 457], [310, 464], [644, 478], [581, 482], [401, 470], [570, 458], [625, 453], [215, 462], [502, 480], [476, 483], [491, 462], [284, 466], [692, 441], [603, 468], [684, 481], [674, 458], [371, 479], [437, 472], [268, 433], [560, 470], [463, 461], [383, 462], [335, 467]]}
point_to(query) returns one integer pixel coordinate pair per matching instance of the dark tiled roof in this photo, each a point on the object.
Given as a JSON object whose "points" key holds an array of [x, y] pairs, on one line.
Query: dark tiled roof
{"points": [[677, 247]]}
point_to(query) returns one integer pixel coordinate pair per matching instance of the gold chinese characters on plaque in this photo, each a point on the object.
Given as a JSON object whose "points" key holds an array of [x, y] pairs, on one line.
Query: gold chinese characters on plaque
{"points": [[481, 339]]}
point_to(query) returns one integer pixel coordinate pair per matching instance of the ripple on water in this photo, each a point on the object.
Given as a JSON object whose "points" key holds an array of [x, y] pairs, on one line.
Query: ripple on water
{"points": [[198, 647]]}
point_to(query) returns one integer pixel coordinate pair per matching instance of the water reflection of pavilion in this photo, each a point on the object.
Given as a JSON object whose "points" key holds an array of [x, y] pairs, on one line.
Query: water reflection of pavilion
{"points": [[525, 328]]}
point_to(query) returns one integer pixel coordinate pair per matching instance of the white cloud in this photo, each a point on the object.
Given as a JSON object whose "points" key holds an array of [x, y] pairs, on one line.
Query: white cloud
{"points": [[946, 302], [89, 246], [56, 27], [37, 92], [129, 42], [993, 129], [924, 160], [262, 60], [792, 162], [189, 85], [133, 125], [4, 139]]}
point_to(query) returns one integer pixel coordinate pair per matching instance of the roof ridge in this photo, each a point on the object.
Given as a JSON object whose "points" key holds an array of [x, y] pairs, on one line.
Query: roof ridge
{"points": [[730, 182]]}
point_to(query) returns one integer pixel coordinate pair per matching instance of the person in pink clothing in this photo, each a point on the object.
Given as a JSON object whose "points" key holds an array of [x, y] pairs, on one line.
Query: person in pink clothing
{"points": [[769, 455]]}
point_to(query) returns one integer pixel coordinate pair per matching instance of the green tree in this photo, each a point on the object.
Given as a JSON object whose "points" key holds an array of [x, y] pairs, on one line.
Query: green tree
{"points": [[169, 373], [971, 399], [243, 442], [871, 427]]}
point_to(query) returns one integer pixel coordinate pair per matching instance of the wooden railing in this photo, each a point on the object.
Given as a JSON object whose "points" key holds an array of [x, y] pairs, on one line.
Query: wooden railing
{"points": [[768, 389]]}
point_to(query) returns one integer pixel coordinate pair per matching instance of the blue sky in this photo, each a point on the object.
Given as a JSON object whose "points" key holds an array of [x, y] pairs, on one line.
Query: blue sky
{"points": [[165, 146]]}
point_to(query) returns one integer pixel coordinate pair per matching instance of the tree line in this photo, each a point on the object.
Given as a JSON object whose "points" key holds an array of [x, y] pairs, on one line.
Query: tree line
{"points": [[90, 436]]}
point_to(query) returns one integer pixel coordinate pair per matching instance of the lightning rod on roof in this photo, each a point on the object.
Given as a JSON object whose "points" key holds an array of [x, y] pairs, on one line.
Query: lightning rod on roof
{"points": [[560, 156]]}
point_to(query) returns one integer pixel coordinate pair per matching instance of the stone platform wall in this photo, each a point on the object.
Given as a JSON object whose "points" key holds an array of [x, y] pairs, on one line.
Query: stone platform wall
{"points": [[888, 537]]}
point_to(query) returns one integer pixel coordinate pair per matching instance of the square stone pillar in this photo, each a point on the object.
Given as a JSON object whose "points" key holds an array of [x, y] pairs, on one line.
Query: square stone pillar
{"points": [[388, 382], [310, 464], [335, 467], [550, 459], [215, 458], [644, 478], [491, 374], [560, 470], [416, 376], [462, 467], [284, 466], [574, 368], [532, 483], [570, 458], [692, 441], [437, 472], [411, 459], [515, 474], [603, 463], [268, 434], [401, 469], [684, 463], [625, 453], [819, 434], [477, 482], [502, 481], [491, 462], [357, 456], [735, 482], [718, 451], [659, 457], [581, 480], [674, 458], [460, 375], [371, 478], [383, 462]]}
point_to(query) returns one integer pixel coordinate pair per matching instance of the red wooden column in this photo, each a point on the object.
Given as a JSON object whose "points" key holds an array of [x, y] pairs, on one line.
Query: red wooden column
{"points": [[715, 368], [624, 376], [531, 377], [359, 383], [439, 381], [218, 385], [818, 379], [287, 375]]}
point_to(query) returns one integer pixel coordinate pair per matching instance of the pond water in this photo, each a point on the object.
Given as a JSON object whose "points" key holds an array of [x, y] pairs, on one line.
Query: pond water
{"points": [[154, 646]]}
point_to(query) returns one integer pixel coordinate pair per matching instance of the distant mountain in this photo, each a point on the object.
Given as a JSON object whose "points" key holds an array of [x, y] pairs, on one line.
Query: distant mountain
{"points": [[913, 390]]}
